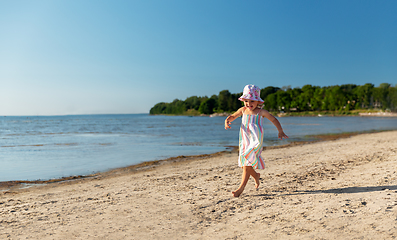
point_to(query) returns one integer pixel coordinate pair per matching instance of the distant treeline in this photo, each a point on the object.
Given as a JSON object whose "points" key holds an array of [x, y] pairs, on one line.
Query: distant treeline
{"points": [[286, 99]]}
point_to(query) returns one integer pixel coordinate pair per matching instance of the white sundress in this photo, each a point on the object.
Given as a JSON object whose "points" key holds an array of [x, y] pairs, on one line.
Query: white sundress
{"points": [[251, 141]]}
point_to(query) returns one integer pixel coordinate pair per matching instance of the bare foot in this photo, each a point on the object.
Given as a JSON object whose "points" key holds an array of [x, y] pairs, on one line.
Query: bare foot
{"points": [[257, 180], [237, 192]]}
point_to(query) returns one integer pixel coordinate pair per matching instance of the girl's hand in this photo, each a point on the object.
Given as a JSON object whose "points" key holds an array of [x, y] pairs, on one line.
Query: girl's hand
{"points": [[282, 135], [227, 124], [233, 117]]}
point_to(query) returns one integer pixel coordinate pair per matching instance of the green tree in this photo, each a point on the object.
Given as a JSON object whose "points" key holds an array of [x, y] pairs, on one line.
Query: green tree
{"points": [[294, 96], [159, 108], [207, 106], [193, 102], [283, 100], [318, 98], [349, 93], [235, 104], [380, 96], [305, 98], [224, 101], [336, 98], [176, 107], [271, 102], [267, 91], [364, 94], [393, 98], [215, 97]]}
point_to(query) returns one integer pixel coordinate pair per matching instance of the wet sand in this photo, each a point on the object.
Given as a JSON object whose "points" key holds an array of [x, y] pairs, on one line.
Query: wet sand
{"points": [[336, 189]]}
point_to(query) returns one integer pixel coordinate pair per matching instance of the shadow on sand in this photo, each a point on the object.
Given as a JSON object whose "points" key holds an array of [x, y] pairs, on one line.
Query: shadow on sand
{"points": [[337, 191]]}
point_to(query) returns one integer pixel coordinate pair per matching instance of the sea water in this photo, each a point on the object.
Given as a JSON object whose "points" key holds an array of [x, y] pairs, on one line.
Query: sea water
{"points": [[47, 147]]}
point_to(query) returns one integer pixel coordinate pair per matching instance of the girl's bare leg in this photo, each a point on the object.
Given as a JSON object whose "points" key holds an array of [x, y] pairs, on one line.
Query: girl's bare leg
{"points": [[244, 180], [247, 172], [256, 176]]}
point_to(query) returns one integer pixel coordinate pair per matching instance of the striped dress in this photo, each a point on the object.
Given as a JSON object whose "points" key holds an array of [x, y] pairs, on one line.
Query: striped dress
{"points": [[250, 142]]}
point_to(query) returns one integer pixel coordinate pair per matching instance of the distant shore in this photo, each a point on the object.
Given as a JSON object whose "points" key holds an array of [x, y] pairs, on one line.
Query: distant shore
{"points": [[339, 114], [378, 114], [358, 113]]}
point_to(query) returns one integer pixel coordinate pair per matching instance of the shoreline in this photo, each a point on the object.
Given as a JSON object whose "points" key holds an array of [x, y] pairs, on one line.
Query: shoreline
{"points": [[336, 189], [12, 186]]}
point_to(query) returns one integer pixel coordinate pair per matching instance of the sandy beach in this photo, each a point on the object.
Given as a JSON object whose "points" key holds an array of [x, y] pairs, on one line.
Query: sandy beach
{"points": [[339, 189]]}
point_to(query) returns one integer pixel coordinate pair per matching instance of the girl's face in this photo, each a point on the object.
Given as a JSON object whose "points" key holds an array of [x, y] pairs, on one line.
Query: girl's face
{"points": [[250, 104]]}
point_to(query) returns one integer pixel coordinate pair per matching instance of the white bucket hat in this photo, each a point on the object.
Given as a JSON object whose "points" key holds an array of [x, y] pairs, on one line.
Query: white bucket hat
{"points": [[251, 92]]}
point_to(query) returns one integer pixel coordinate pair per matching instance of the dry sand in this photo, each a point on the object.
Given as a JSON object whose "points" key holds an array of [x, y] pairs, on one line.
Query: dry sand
{"points": [[341, 189]]}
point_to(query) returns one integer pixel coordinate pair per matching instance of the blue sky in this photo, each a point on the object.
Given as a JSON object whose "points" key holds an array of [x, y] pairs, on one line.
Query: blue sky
{"points": [[94, 57]]}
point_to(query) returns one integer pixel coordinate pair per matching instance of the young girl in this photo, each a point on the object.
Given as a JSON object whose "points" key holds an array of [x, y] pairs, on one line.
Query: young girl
{"points": [[251, 134]]}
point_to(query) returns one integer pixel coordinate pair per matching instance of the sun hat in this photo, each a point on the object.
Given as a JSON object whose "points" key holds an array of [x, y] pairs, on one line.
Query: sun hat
{"points": [[251, 92]]}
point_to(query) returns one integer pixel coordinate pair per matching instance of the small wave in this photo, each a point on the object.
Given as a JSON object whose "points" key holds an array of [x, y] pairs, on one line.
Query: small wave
{"points": [[66, 144], [304, 124], [188, 143], [105, 144], [42, 145], [33, 145]]}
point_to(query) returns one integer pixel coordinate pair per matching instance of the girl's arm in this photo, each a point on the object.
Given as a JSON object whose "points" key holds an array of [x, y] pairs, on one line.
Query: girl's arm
{"points": [[233, 117], [275, 122]]}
